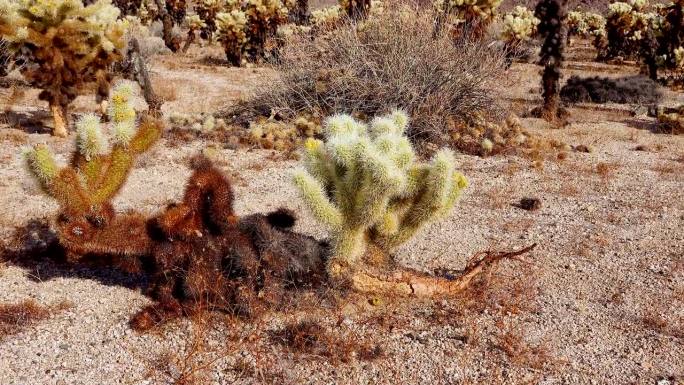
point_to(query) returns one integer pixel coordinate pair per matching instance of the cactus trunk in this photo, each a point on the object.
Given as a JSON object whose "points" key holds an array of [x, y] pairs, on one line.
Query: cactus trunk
{"points": [[59, 117]]}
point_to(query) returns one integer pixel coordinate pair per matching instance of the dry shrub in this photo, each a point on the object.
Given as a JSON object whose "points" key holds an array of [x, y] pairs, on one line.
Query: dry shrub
{"points": [[14, 317], [166, 90], [631, 89], [313, 339], [387, 62]]}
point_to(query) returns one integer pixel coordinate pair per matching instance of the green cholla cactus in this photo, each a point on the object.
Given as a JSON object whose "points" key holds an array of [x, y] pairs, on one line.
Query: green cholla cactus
{"points": [[626, 26], [206, 11], [231, 31], [519, 25], [62, 45], [244, 26], [587, 25], [97, 171], [365, 185], [326, 18]]}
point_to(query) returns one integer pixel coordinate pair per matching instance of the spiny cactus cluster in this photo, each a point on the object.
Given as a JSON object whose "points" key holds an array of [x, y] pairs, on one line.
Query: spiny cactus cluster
{"points": [[282, 136], [62, 45], [663, 46], [481, 136], [242, 27], [97, 171], [326, 18], [356, 9], [553, 16], [587, 25], [366, 186], [626, 26], [474, 14], [519, 25], [285, 137]]}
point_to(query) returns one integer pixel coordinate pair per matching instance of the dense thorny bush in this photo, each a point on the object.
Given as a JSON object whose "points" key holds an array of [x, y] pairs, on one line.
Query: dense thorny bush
{"points": [[384, 63]]}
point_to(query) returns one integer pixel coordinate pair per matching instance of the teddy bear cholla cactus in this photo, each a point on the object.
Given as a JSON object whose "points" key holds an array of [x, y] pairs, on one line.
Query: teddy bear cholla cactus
{"points": [[587, 25], [95, 174], [62, 45], [553, 28], [475, 14], [231, 31], [356, 9], [196, 252], [663, 45], [326, 18], [365, 185], [245, 26], [194, 24], [206, 11], [626, 27], [519, 25]]}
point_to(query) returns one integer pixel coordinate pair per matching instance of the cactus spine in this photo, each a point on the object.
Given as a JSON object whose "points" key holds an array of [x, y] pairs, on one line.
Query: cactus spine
{"points": [[365, 185]]}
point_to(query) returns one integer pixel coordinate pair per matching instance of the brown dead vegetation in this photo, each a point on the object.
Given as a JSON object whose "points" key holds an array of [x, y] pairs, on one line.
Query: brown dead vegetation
{"points": [[16, 317]]}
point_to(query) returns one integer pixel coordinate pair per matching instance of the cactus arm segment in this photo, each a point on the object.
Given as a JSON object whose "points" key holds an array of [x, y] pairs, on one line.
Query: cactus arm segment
{"points": [[315, 197]]}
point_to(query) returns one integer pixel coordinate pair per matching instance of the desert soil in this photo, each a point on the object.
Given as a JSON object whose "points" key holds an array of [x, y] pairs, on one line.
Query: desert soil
{"points": [[599, 301]]}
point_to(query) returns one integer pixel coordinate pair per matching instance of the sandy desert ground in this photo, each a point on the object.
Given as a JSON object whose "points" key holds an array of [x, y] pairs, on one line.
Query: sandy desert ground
{"points": [[599, 301]]}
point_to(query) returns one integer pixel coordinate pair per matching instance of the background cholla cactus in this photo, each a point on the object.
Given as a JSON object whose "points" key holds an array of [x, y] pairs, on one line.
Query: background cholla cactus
{"points": [[62, 45], [356, 9], [263, 16], [474, 14], [519, 25], [244, 27], [194, 23], [95, 174], [177, 10], [326, 18], [626, 26], [365, 185], [587, 25], [663, 45], [553, 28], [128, 7], [299, 11], [671, 120], [206, 11], [231, 31]]}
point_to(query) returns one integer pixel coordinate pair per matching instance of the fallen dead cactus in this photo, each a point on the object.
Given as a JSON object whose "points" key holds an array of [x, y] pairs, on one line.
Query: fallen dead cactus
{"points": [[413, 283]]}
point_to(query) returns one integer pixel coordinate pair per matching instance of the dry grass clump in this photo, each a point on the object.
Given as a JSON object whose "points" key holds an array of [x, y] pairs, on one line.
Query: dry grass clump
{"points": [[15, 317], [387, 62], [313, 339], [631, 89]]}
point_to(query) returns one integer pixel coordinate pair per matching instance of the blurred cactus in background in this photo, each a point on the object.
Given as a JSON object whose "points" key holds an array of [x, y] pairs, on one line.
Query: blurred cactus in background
{"points": [[62, 45]]}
